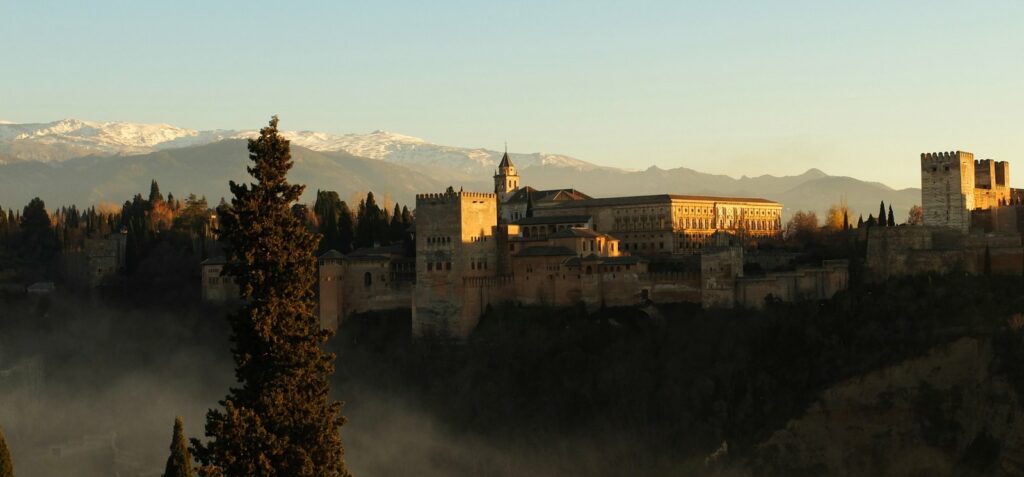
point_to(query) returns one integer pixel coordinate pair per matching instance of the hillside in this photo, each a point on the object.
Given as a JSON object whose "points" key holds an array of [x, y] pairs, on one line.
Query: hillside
{"points": [[203, 170]]}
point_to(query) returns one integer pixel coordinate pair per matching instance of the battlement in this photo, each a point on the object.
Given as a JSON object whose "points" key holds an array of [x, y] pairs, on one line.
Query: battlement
{"points": [[460, 194], [479, 282], [947, 156]]}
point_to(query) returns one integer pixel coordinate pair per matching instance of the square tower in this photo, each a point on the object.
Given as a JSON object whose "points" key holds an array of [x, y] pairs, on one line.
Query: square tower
{"points": [[454, 242], [947, 189]]}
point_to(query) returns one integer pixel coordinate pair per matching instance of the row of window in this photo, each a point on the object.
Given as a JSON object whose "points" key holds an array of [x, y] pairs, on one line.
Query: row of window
{"points": [[438, 266], [439, 240]]}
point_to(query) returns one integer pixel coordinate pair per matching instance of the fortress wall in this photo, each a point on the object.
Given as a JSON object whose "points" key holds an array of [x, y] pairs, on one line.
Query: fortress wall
{"points": [[673, 287], [480, 293], [805, 284]]}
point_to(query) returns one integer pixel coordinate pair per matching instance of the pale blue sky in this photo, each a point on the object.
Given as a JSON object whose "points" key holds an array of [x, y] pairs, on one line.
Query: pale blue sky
{"points": [[853, 88]]}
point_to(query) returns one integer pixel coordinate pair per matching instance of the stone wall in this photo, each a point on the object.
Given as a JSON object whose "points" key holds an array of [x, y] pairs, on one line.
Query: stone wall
{"points": [[819, 283], [910, 250]]}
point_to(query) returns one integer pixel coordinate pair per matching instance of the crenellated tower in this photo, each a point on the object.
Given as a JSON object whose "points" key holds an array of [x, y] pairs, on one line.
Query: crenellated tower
{"points": [[947, 189]]}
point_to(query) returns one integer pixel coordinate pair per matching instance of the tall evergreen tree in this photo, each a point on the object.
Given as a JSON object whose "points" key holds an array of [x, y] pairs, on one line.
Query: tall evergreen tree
{"points": [[346, 228], [6, 466], [179, 463], [280, 420], [154, 193], [397, 227], [892, 218], [881, 213]]}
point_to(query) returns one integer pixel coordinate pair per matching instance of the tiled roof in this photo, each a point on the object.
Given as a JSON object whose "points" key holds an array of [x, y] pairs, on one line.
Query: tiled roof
{"points": [[553, 219], [553, 195], [658, 199], [545, 251], [576, 232]]}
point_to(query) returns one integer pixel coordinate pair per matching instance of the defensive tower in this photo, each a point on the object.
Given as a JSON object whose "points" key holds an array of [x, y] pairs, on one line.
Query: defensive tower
{"points": [[947, 189], [454, 242]]}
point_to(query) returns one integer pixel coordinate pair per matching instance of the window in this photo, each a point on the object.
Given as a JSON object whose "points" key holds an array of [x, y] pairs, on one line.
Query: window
{"points": [[367, 279]]}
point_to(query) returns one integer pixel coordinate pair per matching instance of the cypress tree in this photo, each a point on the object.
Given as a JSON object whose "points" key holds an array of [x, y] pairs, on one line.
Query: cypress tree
{"points": [[179, 463], [892, 218], [279, 420], [397, 227], [6, 466], [346, 228], [154, 193], [881, 213]]}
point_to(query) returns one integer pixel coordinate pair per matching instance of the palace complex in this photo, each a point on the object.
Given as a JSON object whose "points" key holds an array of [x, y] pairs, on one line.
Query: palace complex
{"points": [[519, 245]]}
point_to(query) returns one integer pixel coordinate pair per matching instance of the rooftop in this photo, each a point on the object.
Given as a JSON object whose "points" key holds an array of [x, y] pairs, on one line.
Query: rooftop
{"points": [[546, 251], [553, 219], [659, 199], [553, 195], [576, 232]]}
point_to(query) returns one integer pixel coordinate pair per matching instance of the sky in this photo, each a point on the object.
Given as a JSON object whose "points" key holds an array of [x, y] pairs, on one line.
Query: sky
{"points": [[739, 88]]}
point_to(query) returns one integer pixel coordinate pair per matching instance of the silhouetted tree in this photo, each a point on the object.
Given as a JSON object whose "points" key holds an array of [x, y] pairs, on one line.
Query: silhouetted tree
{"points": [[154, 193], [802, 228], [881, 213], [892, 218], [6, 466], [280, 420], [38, 240], [397, 227], [179, 463]]}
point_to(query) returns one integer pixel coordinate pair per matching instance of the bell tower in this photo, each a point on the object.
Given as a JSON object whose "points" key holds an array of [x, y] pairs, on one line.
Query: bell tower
{"points": [[506, 179]]}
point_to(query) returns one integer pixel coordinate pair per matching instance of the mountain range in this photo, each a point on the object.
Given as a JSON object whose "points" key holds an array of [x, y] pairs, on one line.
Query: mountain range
{"points": [[83, 162]]}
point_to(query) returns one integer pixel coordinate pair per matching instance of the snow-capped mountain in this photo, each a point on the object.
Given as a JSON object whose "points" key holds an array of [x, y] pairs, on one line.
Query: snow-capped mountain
{"points": [[68, 138]]}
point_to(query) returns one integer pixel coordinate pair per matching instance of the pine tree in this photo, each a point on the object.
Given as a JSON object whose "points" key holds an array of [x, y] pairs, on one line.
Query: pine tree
{"points": [[279, 421], [179, 463], [892, 218], [846, 220], [881, 213], [6, 466]]}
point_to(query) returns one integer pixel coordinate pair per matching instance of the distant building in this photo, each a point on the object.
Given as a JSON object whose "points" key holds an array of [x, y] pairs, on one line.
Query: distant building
{"points": [[217, 287], [99, 259]]}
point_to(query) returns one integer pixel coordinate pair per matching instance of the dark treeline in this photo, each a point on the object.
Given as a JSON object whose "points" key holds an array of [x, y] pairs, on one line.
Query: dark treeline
{"points": [[166, 238], [370, 225]]}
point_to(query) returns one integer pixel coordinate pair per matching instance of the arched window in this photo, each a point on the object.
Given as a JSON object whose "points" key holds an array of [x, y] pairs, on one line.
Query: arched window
{"points": [[367, 279]]}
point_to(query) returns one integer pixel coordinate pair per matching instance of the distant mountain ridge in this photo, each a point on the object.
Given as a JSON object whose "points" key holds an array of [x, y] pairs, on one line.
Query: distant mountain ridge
{"points": [[84, 162]]}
